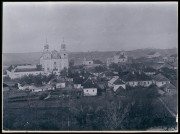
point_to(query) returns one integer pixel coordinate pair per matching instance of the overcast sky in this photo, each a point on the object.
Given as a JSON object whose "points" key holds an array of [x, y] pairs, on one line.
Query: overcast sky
{"points": [[89, 26]]}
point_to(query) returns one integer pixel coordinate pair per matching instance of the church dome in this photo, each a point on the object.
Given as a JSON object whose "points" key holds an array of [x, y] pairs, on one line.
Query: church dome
{"points": [[55, 55]]}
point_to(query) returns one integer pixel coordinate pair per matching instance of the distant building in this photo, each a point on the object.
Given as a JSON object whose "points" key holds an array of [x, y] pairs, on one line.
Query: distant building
{"points": [[160, 80], [18, 71], [153, 55], [88, 61], [173, 58], [54, 61], [118, 58]]}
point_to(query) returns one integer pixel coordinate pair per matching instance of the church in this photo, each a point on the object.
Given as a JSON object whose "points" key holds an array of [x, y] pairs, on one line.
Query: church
{"points": [[54, 61]]}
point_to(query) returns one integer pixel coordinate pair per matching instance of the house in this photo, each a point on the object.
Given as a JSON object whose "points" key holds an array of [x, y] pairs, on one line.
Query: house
{"points": [[153, 54], [169, 89], [18, 71], [160, 80], [149, 71], [115, 83], [88, 61], [117, 58], [118, 84], [173, 58], [111, 82], [60, 83], [137, 79], [89, 87]]}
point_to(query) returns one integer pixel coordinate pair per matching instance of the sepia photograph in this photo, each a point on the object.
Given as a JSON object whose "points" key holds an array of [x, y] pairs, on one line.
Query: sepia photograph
{"points": [[89, 67]]}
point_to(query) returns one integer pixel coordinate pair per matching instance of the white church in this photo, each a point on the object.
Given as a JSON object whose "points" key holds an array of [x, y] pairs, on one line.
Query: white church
{"points": [[54, 61], [50, 62]]}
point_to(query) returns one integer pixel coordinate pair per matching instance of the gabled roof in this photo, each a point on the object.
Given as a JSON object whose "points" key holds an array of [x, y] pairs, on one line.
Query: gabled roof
{"points": [[122, 56], [169, 86], [160, 77], [10, 68], [136, 77], [118, 81], [113, 80], [89, 83]]}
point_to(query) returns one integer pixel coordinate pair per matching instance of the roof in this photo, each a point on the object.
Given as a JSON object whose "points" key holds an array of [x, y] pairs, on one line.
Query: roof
{"points": [[122, 56], [152, 53], [136, 77], [118, 81], [88, 58], [88, 83], [78, 80], [149, 69], [10, 68], [113, 80], [169, 85], [55, 55], [160, 77], [96, 61], [26, 70], [174, 55]]}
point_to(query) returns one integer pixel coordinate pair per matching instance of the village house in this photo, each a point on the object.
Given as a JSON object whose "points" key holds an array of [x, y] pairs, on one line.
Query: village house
{"points": [[149, 71], [89, 87], [160, 80], [18, 71], [137, 79], [117, 84], [153, 55], [169, 89]]}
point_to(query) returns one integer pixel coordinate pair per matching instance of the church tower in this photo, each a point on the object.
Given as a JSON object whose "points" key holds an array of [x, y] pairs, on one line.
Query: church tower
{"points": [[64, 56]]}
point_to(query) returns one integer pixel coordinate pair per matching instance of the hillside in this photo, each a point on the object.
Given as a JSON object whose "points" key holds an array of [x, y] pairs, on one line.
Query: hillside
{"points": [[33, 58]]}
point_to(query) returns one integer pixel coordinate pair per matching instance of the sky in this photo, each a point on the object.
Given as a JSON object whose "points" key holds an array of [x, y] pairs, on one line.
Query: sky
{"points": [[89, 26]]}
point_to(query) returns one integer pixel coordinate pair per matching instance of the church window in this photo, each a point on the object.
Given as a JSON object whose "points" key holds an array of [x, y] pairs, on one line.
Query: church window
{"points": [[54, 63], [64, 54]]}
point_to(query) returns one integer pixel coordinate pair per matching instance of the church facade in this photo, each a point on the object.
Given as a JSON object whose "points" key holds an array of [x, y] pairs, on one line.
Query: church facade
{"points": [[54, 61]]}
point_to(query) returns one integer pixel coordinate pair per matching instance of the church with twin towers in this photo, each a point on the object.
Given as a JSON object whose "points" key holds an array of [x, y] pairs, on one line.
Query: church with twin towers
{"points": [[54, 61]]}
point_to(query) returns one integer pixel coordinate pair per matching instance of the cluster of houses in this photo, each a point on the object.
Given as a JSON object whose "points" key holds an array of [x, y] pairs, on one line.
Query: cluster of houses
{"points": [[91, 83]]}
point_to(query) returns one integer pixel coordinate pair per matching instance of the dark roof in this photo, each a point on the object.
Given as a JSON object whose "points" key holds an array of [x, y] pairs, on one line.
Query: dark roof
{"points": [[27, 69], [10, 68], [149, 69], [160, 77], [118, 81], [136, 77], [78, 80], [89, 84], [95, 61], [169, 85]]}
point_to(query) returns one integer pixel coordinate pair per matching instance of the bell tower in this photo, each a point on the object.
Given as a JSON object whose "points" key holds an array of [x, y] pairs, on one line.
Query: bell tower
{"points": [[46, 46]]}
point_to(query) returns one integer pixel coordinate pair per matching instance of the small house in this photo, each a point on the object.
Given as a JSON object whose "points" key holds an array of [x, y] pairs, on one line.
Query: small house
{"points": [[89, 88], [153, 54], [160, 80]]}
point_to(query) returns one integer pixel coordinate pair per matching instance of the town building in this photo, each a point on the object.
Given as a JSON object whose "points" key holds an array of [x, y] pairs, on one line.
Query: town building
{"points": [[18, 71], [118, 58], [54, 61], [153, 55], [173, 58], [89, 87], [116, 83], [149, 71], [88, 61]]}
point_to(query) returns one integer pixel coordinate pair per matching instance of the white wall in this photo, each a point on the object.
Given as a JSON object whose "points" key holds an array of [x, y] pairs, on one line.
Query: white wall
{"points": [[90, 91], [117, 86], [161, 83]]}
